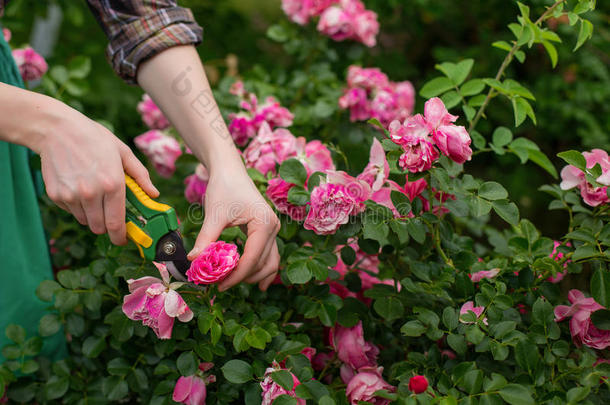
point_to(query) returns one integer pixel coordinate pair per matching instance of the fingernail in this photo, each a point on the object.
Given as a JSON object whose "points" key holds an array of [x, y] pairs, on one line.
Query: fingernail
{"points": [[193, 253]]}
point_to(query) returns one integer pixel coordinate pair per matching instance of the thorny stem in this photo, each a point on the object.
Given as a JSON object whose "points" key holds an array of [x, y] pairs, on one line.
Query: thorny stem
{"points": [[507, 60]]}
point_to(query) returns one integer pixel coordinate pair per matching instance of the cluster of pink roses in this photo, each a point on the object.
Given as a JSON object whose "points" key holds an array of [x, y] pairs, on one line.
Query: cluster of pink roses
{"points": [[581, 327], [370, 94], [572, 176], [247, 123], [339, 19], [161, 149], [423, 136]]}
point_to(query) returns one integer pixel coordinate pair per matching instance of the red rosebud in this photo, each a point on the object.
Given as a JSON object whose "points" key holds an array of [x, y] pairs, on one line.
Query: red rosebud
{"points": [[418, 384]]}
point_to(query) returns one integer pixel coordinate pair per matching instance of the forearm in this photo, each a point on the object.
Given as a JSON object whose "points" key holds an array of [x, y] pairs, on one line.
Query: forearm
{"points": [[26, 116], [176, 81]]}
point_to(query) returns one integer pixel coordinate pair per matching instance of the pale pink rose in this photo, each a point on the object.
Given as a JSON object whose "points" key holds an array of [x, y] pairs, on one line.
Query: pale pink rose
{"points": [[196, 185], [480, 275], [378, 170], [436, 114], [366, 27], [405, 99], [366, 78], [469, 307], [452, 140], [314, 155], [384, 105], [214, 264], [351, 348], [356, 188], [277, 191], [413, 136], [300, 11], [270, 148], [347, 373], [274, 114], [336, 23], [32, 65], [330, 207], [156, 303], [581, 327], [574, 177], [571, 177], [357, 101], [161, 149], [604, 178], [272, 390], [6, 33], [151, 114], [237, 89], [362, 387], [190, 390]]}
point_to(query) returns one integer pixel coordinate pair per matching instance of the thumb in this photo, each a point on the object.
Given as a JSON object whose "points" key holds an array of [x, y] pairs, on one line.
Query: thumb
{"points": [[210, 232], [136, 169]]}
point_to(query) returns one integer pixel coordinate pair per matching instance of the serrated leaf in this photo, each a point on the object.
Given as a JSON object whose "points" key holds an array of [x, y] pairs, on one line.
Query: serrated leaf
{"points": [[436, 87]]}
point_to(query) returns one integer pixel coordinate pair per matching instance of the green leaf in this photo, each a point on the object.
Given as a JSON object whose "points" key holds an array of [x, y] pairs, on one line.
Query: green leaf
{"points": [[284, 379], [472, 381], [15, 333], [114, 388], [577, 394], [390, 308], [601, 319], [502, 136], [293, 171], [32, 346], [600, 287], [298, 196], [237, 371], [79, 67], [522, 109], [436, 87], [450, 318], [284, 399], [187, 363], [56, 387], [413, 328], [574, 158], [298, 272], [417, 230], [59, 74], [516, 394], [49, 325], [586, 32], [93, 346], [552, 51], [543, 161], [507, 210], [457, 343], [472, 87], [46, 289], [277, 33], [492, 190], [401, 202], [527, 356]]}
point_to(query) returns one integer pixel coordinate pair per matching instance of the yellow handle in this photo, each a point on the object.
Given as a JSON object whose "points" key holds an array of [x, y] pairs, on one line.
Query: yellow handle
{"points": [[142, 197]]}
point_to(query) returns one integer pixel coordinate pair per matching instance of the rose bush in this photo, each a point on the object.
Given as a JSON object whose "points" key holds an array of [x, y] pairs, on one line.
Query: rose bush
{"points": [[405, 279]]}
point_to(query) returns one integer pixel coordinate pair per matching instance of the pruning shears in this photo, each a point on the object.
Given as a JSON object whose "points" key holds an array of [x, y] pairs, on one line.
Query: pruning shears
{"points": [[153, 227]]}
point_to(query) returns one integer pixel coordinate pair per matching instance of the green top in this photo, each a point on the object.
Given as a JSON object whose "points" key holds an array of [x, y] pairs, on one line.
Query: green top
{"points": [[24, 253]]}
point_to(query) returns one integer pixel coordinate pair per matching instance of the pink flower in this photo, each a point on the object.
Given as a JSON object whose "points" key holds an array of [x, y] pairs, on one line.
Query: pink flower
{"points": [[272, 390], [367, 268], [366, 27], [161, 149], [480, 275], [31, 64], [348, 19], [356, 100], [415, 188], [469, 307], [574, 177], [418, 384], [300, 11], [581, 327], [214, 264], [274, 114], [320, 360], [557, 256], [362, 387], [156, 303], [452, 140], [237, 89], [314, 155], [6, 33], [405, 99], [270, 148], [378, 170], [351, 348], [242, 128], [413, 135], [151, 114], [336, 23], [196, 184], [190, 390], [277, 191]]}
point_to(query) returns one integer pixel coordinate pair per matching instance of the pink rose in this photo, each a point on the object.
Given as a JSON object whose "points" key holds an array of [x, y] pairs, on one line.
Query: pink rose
{"points": [[300, 11], [274, 114], [336, 23], [32, 65], [405, 100], [581, 327], [574, 177], [277, 191], [161, 149], [151, 114], [356, 100], [314, 155], [362, 387], [242, 128], [272, 390], [480, 275], [351, 348], [469, 307], [413, 136], [270, 148], [214, 264], [418, 384], [156, 303], [237, 89], [378, 170], [6, 33], [558, 256], [452, 140], [366, 78], [366, 27], [190, 390], [196, 184]]}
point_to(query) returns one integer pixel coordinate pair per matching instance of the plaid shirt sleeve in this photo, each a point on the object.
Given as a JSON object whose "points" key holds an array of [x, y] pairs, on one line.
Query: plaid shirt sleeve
{"points": [[139, 29]]}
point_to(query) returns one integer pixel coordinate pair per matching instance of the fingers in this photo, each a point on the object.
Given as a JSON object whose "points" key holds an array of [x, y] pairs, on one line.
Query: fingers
{"points": [[114, 215], [262, 262], [268, 269], [136, 169], [255, 245], [264, 285], [210, 232], [77, 210], [94, 211]]}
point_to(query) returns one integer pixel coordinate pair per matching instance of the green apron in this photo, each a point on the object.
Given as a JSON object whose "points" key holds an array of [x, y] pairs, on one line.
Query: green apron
{"points": [[24, 252]]}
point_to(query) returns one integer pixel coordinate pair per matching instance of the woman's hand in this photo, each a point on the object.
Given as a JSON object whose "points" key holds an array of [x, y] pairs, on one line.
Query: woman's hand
{"points": [[83, 166], [232, 199]]}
